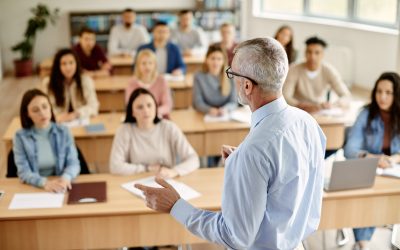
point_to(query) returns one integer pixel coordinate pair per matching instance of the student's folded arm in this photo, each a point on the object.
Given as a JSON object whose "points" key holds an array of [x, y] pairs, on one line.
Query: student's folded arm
{"points": [[73, 167], [198, 99], [337, 84], [89, 94], [355, 141], [120, 154], [21, 161], [289, 88], [189, 160], [243, 209]]}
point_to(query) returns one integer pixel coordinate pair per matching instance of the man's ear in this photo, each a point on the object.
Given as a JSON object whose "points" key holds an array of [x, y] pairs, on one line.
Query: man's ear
{"points": [[248, 87]]}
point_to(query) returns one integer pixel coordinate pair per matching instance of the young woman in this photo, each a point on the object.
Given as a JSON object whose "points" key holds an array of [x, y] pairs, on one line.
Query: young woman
{"points": [[146, 76], [376, 133], [213, 92], [72, 95], [284, 35], [43, 148], [145, 143]]}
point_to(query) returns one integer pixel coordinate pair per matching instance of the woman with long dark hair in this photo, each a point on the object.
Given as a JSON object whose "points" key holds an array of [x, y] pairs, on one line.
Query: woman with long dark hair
{"points": [[43, 148], [284, 35], [376, 133], [71, 94]]}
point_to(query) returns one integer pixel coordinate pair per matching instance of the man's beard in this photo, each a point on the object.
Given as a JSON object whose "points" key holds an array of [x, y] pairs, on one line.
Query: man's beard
{"points": [[127, 25]]}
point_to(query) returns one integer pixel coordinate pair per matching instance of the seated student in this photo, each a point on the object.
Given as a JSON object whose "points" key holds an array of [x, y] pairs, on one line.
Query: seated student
{"points": [[213, 92], [43, 148], [227, 43], [146, 143], [169, 59], [125, 38], [376, 133], [284, 35], [308, 83], [146, 76], [72, 95], [190, 40], [92, 58]]}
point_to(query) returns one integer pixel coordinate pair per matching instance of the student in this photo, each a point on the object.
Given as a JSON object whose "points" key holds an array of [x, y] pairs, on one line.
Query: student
{"points": [[190, 40], [227, 42], [213, 92], [376, 133], [308, 83], [284, 35], [169, 59], [146, 76], [92, 58], [125, 38], [72, 95], [145, 143], [43, 148]]}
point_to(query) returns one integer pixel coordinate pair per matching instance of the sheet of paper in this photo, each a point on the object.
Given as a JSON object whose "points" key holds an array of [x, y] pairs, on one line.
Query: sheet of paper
{"points": [[184, 190], [241, 115], [36, 200], [331, 112], [222, 118], [173, 78], [77, 122], [394, 171]]}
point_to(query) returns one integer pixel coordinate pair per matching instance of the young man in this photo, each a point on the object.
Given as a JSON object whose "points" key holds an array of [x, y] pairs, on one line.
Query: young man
{"points": [[169, 59], [92, 58], [308, 83], [190, 40], [125, 38], [227, 43]]}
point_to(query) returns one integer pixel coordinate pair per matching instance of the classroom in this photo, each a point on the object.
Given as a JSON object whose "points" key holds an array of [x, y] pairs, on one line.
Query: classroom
{"points": [[200, 124]]}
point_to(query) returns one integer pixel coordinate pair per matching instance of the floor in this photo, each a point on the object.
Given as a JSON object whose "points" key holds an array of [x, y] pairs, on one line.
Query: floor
{"points": [[11, 91]]}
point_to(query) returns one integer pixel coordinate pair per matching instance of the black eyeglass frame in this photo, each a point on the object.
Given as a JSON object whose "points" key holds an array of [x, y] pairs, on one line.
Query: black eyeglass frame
{"points": [[231, 74]]}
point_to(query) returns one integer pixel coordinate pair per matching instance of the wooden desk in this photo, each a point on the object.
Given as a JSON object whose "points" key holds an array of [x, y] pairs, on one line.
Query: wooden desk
{"points": [[111, 92], [122, 65], [125, 221]]}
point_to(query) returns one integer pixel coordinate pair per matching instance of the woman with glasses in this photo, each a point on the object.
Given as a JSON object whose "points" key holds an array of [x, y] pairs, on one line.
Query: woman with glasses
{"points": [[213, 92]]}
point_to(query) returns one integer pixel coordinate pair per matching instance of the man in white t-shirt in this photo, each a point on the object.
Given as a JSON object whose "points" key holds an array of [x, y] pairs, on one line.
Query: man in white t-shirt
{"points": [[125, 38]]}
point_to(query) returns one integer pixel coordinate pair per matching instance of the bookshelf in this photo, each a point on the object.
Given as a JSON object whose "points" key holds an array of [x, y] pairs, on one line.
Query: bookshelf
{"points": [[208, 14]]}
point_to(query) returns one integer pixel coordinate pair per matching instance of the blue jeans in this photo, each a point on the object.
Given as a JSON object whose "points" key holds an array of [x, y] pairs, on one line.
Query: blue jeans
{"points": [[364, 233]]}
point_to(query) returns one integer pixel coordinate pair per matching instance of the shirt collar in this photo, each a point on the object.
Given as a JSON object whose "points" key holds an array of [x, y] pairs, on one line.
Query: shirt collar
{"points": [[269, 108]]}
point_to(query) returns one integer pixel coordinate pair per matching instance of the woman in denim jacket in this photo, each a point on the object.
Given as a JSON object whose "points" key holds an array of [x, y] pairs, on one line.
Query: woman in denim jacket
{"points": [[376, 133], [43, 148]]}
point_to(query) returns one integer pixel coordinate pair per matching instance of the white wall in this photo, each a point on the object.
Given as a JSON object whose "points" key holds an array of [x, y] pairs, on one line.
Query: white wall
{"points": [[15, 13], [374, 52]]}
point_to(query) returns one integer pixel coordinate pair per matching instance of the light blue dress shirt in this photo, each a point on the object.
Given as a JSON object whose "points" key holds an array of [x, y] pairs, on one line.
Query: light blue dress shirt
{"points": [[273, 184]]}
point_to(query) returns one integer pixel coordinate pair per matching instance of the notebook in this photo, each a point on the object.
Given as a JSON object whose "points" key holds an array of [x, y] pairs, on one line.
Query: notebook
{"points": [[352, 174], [88, 192], [95, 128]]}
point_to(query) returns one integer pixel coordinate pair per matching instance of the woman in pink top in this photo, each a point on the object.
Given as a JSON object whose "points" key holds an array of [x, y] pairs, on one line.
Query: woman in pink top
{"points": [[146, 76]]}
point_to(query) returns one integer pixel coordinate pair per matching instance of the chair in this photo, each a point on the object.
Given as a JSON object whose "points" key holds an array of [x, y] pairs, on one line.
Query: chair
{"points": [[12, 168]]}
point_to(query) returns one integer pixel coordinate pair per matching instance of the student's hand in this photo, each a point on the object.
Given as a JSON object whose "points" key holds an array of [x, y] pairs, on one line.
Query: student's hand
{"points": [[177, 72], [167, 173], [106, 66], [309, 107], [226, 150], [160, 199], [213, 112], [221, 111], [66, 117], [384, 162], [187, 52], [395, 158], [54, 186], [154, 167], [326, 105], [65, 183]]}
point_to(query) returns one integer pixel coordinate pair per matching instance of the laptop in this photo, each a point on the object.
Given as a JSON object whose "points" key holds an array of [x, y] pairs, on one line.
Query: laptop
{"points": [[352, 174]]}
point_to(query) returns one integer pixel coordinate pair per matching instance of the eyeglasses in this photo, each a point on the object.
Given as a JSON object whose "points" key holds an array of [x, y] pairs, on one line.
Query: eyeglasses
{"points": [[230, 74]]}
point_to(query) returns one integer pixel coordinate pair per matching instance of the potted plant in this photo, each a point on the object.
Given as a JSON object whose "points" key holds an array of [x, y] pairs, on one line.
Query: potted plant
{"points": [[39, 20]]}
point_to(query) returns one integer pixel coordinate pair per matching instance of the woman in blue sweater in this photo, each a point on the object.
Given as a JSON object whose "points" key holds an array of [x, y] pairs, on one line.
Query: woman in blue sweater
{"points": [[43, 148], [376, 133]]}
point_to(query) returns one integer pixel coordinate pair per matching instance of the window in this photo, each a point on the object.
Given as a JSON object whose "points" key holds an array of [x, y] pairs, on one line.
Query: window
{"points": [[376, 12]]}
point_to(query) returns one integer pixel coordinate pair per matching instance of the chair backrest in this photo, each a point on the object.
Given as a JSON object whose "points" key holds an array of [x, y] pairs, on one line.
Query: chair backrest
{"points": [[13, 172]]}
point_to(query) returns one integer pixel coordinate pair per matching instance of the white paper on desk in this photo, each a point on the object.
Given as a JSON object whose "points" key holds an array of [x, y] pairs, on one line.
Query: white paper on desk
{"points": [[77, 122], [394, 171], [241, 115], [331, 112], [223, 118], [174, 78], [36, 200], [184, 190]]}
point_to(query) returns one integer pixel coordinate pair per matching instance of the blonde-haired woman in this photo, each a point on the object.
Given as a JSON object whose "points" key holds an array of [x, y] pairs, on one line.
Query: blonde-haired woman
{"points": [[146, 76], [213, 92]]}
